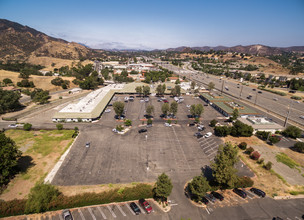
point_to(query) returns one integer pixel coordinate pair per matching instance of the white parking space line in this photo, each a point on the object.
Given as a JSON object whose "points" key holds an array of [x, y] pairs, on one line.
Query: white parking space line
{"points": [[60, 216], [111, 211], [92, 214], [207, 210], [233, 198], [81, 215], [297, 218], [127, 205], [119, 208], [141, 210], [252, 194], [101, 212]]}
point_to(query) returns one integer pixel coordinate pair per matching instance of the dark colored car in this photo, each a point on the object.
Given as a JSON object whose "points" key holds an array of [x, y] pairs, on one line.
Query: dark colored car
{"points": [[171, 116], [142, 130], [191, 124], [258, 192], [145, 205], [135, 208], [218, 196], [210, 197], [198, 135], [66, 214], [190, 116], [240, 192], [205, 104], [148, 116], [165, 101], [205, 201], [121, 117], [253, 89], [163, 116], [259, 91]]}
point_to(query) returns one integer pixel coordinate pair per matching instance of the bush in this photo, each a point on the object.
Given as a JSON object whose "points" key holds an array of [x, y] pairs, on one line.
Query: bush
{"points": [[255, 155], [273, 139], [149, 121], [119, 127], [169, 121], [262, 134], [213, 123], [244, 182], [240, 129], [128, 122], [40, 197], [59, 126], [243, 145], [268, 165], [260, 161], [249, 150], [27, 126], [13, 207], [292, 131], [299, 146], [7, 81], [222, 131], [296, 97]]}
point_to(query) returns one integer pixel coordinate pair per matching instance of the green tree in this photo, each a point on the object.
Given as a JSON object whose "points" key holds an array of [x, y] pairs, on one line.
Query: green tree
{"points": [[128, 122], [193, 84], [240, 129], [198, 187], [165, 108], [213, 122], [40, 96], [149, 121], [41, 195], [90, 83], [138, 90], [173, 107], [222, 131], [27, 126], [7, 81], [9, 155], [164, 89], [149, 109], [223, 169], [119, 108], [211, 86], [235, 114], [273, 139], [163, 187], [59, 126], [177, 82], [292, 131], [199, 109], [177, 90], [9, 101], [159, 89], [192, 109], [299, 146], [146, 90]]}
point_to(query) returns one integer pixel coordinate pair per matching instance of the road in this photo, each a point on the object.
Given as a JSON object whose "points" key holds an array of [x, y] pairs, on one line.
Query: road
{"points": [[269, 101]]}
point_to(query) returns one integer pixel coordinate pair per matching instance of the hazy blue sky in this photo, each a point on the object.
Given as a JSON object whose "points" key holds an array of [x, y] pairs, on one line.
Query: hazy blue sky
{"points": [[163, 24]]}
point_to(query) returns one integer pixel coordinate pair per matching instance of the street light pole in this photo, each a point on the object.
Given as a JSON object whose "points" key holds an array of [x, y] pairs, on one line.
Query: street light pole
{"points": [[286, 120], [241, 91], [256, 97], [222, 87]]}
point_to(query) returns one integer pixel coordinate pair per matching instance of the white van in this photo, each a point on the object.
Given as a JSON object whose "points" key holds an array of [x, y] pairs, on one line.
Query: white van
{"points": [[208, 134]]}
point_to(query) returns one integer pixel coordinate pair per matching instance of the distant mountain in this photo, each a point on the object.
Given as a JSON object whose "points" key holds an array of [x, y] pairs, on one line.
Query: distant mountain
{"points": [[18, 42], [251, 49]]}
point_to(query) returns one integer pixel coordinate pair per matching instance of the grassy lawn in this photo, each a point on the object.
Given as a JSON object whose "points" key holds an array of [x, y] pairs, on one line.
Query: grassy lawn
{"points": [[283, 158], [41, 150]]}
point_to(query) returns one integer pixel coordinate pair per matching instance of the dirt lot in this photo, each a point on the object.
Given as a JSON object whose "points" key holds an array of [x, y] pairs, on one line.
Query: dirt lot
{"points": [[43, 82], [41, 150]]}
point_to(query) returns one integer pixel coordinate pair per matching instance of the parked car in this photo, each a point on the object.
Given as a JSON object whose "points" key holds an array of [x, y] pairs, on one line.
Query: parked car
{"points": [[208, 134], [131, 98], [149, 125], [198, 135], [190, 116], [188, 106], [210, 197], [205, 201], [168, 125], [148, 116], [146, 99], [218, 195], [171, 116], [145, 205], [126, 99], [258, 192], [240, 192], [302, 116], [200, 127], [159, 100], [67, 215], [114, 130], [135, 208], [12, 126], [191, 124], [107, 110], [259, 91], [141, 100], [275, 99], [142, 130], [119, 117], [163, 116], [165, 101], [253, 89], [88, 144]]}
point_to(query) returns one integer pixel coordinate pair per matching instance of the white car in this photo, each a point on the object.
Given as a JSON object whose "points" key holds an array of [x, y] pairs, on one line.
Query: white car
{"points": [[147, 100], [275, 99], [141, 100], [114, 130], [209, 134], [188, 106], [12, 126], [302, 116], [167, 124], [107, 110]]}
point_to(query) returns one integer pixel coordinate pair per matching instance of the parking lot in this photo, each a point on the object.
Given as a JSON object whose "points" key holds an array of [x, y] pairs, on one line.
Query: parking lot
{"points": [[114, 158], [109, 211]]}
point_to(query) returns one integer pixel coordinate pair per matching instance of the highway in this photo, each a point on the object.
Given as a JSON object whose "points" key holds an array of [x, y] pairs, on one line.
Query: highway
{"points": [[269, 101]]}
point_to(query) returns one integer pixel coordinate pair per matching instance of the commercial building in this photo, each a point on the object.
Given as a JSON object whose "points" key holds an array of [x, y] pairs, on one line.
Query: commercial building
{"points": [[225, 105], [261, 124]]}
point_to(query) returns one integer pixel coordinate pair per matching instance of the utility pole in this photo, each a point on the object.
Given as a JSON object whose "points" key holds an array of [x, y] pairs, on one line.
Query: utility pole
{"points": [[241, 91], [286, 120], [222, 87]]}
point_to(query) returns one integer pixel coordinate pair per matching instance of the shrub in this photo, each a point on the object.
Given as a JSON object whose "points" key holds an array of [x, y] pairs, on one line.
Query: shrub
{"points": [[128, 122], [299, 146], [13, 207], [244, 182], [292, 131], [255, 155], [262, 134], [243, 145], [169, 121], [273, 139], [213, 123], [59, 126], [40, 197], [149, 121], [240, 129], [222, 131], [27, 126], [260, 161], [249, 150], [268, 165], [119, 127], [277, 132], [296, 97]]}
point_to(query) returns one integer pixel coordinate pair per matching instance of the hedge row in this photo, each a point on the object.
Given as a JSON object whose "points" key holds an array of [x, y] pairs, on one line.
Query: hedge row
{"points": [[272, 91], [17, 207]]}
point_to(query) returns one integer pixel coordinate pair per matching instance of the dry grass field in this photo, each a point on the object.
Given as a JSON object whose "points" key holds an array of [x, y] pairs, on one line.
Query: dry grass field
{"points": [[43, 82]]}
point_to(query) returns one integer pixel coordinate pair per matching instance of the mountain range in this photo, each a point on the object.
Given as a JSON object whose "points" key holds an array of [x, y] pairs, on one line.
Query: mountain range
{"points": [[19, 42]]}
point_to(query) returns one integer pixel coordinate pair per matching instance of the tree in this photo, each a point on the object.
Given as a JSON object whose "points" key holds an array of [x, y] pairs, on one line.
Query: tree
{"points": [[299, 146], [292, 131], [119, 108], [193, 84], [90, 83], [223, 169], [173, 107], [59, 126], [150, 109], [222, 131], [211, 86], [177, 82], [24, 75], [128, 122], [27, 126], [9, 101], [9, 155], [159, 89], [164, 89], [165, 108], [199, 109], [235, 114], [163, 187], [40, 96], [273, 139], [138, 90], [177, 90], [240, 129], [149, 121], [198, 187], [146, 90], [26, 83], [40, 197], [192, 109], [213, 122], [7, 81]]}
